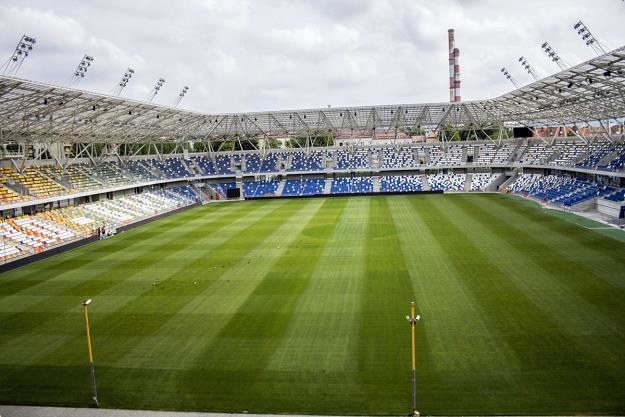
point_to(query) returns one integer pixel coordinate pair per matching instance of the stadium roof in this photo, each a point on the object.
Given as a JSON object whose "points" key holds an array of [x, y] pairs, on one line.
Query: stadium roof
{"points": [[42, 113]]}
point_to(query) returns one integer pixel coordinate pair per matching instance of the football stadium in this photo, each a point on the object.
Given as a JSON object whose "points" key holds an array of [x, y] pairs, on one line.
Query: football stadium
{"points": [[464, 257]]}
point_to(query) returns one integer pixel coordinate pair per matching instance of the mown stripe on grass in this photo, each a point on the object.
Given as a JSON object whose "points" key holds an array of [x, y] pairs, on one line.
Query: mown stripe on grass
{"points": [[533, 336], [233, 276], [384, 368], [569, 282], [69, 350], [276, 291], [331, 297], [568, 233], [82, 258], [66, 313], [453, 323], [563, 288], [54, 296], [259, 322]]}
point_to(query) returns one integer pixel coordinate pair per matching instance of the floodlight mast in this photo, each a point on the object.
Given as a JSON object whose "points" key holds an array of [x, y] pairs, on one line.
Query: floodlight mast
{"points": [[509, 77], [123, 82], [413, 321], [529, 68], [81, 69], [589, 39], [184, 92], [551, 53], [22, 50], [156, 89]]}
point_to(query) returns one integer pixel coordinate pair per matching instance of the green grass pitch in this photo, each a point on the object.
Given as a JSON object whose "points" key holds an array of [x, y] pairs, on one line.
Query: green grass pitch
{"points": [[298, 306]]}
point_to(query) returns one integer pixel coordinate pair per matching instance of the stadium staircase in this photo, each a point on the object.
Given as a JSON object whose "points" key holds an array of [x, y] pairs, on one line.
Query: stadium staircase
{"points": [[201, 193], [17, 188], [504, 185], [425, 183], [187, 166], [280, 187], [327, 189], [467, 182], [496, 182], [376, 183], [609, 157], [518, 152], [289, 161]]}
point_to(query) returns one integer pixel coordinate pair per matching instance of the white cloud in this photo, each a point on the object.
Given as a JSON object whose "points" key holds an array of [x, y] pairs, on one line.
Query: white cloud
{"points": [[240, 55]]}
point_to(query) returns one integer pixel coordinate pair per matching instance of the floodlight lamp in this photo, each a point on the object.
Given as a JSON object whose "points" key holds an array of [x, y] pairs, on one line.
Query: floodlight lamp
{"points": [[408, 318], [86, 302], [418, 317]]}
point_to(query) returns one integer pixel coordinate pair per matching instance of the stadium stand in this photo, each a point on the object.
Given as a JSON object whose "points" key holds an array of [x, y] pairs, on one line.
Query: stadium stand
{"points": [[447, 182], [37, 185], [356, 160], [401, 183], [260, 188], [353, 185], [140, 171], [224, 164], [404, 158], [307, 186], [559, 190], [307, 162], [480, 181], [205, 165]]}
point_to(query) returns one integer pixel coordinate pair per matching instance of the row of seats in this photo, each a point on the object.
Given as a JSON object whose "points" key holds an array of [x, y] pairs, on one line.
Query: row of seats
{"points": [[344, 185], [260, 188], [480, 181], [401, 183], [29, 234], [355, 185], [447, 182], [47, 181], [560, 190], [306, 186]]}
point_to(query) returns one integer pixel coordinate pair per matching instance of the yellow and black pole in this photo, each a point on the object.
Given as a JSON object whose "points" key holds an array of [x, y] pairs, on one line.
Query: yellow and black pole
{"points": [[94, 391], [413, 321]]}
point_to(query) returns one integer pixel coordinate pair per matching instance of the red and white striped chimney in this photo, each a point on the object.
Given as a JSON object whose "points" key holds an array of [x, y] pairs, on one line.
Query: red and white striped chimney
{"points": [[454, 68]]}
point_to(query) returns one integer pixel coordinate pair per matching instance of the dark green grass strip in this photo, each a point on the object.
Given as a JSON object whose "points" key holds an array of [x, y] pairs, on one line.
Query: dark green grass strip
{"points": [[578, 269], [385, 366], [109, 326], [231, 373], [549, 359], [83, 286], [83, 258]]}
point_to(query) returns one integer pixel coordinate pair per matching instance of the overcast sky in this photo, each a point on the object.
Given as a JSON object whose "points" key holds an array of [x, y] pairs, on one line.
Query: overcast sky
{"points": [[249, 55]]}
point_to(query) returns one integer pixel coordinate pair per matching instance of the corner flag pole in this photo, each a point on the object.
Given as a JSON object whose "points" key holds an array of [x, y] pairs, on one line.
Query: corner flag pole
{"points": [[94, 391], [413, 321]]}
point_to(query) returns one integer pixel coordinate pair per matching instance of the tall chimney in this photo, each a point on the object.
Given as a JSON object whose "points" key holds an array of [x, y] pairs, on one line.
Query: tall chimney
{"points": [[454, 68]]}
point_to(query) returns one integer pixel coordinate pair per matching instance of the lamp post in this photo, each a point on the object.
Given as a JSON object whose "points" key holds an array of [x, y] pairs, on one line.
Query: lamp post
{"points": [[94, 391], [81, 69], [184, 91], [413, 321], [22, 50], [509, 76]]}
